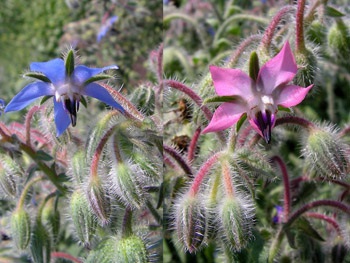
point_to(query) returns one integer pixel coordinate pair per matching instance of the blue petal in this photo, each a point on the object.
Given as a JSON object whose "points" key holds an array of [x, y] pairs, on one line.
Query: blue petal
{"points": [[53, 69], [29, 94], [98, 92], [62, 119], [82, 73]]}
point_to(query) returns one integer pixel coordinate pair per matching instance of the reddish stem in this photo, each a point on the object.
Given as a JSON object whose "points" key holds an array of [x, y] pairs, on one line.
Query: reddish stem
{"points": [[295, 120], [99, 150], [184, 165], [300, 44], [233, 59], [287, 201], [328, 219], [270, 31], [309, 206], [202, 172], [193, 145], [65, 256], [227, 179]]}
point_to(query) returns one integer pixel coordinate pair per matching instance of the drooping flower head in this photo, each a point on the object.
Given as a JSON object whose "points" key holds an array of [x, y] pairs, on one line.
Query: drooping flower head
{"points": [[258, 98], [68, 84]]}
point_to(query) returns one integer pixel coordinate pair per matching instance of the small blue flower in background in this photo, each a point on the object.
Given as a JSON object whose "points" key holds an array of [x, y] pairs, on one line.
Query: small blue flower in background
{"points": [[2, 106], [106, 26], [68, 84], [279, 215]]}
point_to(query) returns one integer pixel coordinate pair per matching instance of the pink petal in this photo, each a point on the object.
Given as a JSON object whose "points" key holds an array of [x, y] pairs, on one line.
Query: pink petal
{"points": [[225, 116], [228, 82], [255, 127], [290, 95], [281, 69]]}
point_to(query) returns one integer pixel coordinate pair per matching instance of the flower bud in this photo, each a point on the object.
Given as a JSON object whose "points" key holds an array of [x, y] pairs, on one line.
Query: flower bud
{"points": [[143, 98], [83, 218], [236, 222], [126, 183], [325, 153], [252, 163], [307, 67], [20, 228], [131, 249], [113, 250], [191, 222], [40, 244], [98, 200], [51, 218], [339, 40], [78, 166], [7, 183]]}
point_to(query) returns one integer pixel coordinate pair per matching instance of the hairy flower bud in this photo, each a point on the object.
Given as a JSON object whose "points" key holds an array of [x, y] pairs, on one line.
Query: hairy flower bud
{"points": [[339, 40], [126, 183], [191, 222], [78, 166], [113, 250], [51, 219], [236, 222], [325, 153], [307, 66], [40, 244], [8, 170], [99, 200], [83, 218], [20, 228], [7, 183]]}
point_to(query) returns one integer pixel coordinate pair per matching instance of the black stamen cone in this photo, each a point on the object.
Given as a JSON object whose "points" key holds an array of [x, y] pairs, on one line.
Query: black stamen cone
{"points": [[71, 107], [264, 124]]}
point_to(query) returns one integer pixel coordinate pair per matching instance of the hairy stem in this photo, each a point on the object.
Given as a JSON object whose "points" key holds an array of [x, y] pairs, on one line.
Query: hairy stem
{"points": [[287, 200], [178, 158]]}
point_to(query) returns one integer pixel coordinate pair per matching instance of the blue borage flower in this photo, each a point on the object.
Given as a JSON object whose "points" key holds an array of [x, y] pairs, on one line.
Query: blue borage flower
{"points": [[68, 84], [106, 26]]}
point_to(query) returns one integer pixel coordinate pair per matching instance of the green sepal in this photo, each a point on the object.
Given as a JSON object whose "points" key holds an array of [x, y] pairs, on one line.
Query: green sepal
{"points": [[332, 12], [97, 78], [38, 76], [254, 66], [44, 100], [43, 156], [241, 121], [83, 101], [221, 99], [281, 108], [69, 63], [306, 228]]}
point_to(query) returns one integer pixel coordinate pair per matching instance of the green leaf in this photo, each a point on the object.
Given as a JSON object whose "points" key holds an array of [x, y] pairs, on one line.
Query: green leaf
{"points": [[291, 238], [332, 12], [305, 227], [43, 156], [44, 100], [254, 66], [221, 99], [69, 63], [38, 76], [241, 121], [83, 101], [97, 78], [281, 108]]}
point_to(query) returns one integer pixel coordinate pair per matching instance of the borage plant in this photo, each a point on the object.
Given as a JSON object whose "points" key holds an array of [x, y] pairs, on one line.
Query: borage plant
{"points": [[231, 196], [88, 193]]}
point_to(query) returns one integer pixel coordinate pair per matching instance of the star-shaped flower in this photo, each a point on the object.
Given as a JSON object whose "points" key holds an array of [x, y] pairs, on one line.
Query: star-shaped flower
{"points": [[67, 84], [258, 98]]}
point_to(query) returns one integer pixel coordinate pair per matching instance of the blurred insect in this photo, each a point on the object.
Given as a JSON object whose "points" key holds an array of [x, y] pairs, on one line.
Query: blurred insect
{"points": [[181, 143]]}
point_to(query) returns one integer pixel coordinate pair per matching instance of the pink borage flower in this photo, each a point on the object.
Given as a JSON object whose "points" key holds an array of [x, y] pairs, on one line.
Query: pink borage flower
{"points": [[258, 99]]}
